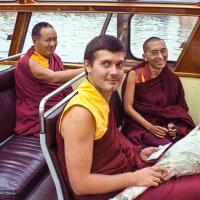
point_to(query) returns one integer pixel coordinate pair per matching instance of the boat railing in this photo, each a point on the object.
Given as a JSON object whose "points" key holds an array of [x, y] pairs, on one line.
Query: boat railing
{"points": [[11, 57]]}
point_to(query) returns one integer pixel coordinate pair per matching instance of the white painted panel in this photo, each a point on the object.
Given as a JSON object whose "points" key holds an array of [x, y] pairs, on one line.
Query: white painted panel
{"points": [[192, 95]]}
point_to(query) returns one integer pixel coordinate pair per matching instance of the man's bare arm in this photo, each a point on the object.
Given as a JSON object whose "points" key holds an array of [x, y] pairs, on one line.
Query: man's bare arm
{"points": [[42, 73], [78, 133]]}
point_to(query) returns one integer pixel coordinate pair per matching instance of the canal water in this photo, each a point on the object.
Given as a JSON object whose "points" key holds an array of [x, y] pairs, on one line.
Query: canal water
{"points": [[76, 30]]}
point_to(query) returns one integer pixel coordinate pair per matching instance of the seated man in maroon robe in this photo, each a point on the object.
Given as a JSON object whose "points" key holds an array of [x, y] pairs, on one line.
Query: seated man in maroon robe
{"points": [[97, 161], [38, 72], [153, 99]]}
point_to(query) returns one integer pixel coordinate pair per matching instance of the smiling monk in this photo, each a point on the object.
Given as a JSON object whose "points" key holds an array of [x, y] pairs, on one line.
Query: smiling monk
{"points": [[38, 72], [153, 99]]}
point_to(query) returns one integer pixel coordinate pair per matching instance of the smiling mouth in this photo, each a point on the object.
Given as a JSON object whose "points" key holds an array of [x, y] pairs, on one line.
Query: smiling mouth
{"points": [[113, 81], [161, 62]]}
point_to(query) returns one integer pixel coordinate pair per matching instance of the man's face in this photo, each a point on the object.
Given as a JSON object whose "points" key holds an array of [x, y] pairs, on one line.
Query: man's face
{"points": [[156, 54], [46, 43], [107, 70]]}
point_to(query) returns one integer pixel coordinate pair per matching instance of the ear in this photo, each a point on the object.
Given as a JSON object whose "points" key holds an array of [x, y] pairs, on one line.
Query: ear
{"points": [[34, 40], [144, 57], [87, 66]]}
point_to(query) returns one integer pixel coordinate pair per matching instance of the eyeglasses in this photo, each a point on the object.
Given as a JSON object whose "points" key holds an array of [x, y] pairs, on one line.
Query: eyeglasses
{"points": [[156, 53]]}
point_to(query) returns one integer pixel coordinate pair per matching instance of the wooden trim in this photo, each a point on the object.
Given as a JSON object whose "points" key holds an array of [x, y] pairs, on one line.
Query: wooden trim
{"points": [[95, 7], [73, 65], [19, 33], [76, 65], [191, 75], [8, 62], [23, 1], [189, 59]]}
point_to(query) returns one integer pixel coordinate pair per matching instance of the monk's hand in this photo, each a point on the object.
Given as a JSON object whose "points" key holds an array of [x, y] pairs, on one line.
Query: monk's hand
{"points": [[172, 130], [150, 176], [158, 131], [145, 153]]}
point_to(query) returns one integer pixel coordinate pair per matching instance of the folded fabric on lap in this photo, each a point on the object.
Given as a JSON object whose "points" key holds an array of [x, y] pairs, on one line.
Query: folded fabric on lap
{"points": [[183, 158]]}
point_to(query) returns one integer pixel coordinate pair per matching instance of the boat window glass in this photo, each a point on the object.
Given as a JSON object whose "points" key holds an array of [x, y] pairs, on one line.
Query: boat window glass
{"points": [[74, 31], [175, 31], [7, 23]]}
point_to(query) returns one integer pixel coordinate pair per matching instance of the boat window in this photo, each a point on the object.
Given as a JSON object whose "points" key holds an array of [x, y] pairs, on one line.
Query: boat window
{"points": [[74, 32], [7, 22], [175, 30]]}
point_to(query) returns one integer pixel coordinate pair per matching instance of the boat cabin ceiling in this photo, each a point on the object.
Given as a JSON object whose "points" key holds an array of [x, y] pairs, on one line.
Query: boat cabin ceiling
{"points": [[126, 15]]}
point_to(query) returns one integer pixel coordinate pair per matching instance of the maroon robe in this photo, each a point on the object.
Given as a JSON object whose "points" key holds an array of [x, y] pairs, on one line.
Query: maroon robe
{"points": [[114, 154], [180, 188], [30, 91], [160, 101]]}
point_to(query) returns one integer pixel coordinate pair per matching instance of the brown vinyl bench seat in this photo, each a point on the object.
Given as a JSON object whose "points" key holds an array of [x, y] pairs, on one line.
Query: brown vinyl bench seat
{"points": [[22, 164]]}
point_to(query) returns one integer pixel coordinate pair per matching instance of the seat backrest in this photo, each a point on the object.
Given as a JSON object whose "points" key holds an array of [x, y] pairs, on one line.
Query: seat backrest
{"points": [[50, 131], [7, 103], [117, 108]]}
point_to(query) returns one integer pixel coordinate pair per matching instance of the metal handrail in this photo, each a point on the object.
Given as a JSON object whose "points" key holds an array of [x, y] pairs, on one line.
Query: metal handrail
{"points": [[52, 94], [11, 57]]}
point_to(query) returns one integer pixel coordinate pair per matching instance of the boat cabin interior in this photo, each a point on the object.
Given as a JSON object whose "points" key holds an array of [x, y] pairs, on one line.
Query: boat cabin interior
{"points": [[29, 168]]}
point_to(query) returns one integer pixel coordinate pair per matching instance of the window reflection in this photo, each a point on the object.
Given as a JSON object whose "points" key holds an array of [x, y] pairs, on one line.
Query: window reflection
{"points": [[7, 22], [74, 32], [175, 30]]}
